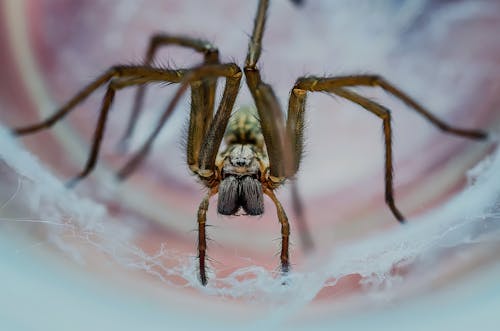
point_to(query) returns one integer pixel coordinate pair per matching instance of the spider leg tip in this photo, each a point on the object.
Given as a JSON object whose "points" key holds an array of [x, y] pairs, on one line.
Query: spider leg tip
{"points": [[203, 280]]}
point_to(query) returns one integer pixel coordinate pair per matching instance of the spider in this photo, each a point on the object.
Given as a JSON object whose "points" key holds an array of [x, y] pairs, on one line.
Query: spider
{"points": [[263, 149]]}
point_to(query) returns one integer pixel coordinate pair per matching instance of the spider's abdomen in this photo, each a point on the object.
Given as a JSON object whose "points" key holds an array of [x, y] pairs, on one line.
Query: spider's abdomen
{"points": [[244, 128]]}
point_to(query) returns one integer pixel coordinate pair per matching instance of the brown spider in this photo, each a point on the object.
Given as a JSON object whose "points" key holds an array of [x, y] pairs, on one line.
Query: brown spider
{"points": [[263, 150]]}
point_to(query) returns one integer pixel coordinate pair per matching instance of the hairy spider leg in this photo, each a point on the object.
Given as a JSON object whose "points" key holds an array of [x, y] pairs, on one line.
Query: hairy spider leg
{"points": [[285, 231], [202, 236], [265, 100], [124, 76], [335, 85], [312, 83], [204, 166], [273, 130], [202, 96], [118, 77]]}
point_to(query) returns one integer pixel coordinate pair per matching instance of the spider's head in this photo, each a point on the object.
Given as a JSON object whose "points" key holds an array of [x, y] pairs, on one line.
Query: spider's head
{"points": [[240, 186]]}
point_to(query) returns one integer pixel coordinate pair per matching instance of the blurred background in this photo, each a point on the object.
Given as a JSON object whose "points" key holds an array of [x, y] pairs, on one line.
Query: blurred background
{"points": [[110, 255]]}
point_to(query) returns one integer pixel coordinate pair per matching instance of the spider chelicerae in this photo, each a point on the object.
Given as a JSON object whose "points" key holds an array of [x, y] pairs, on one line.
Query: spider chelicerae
{"points": [[263, 149]]}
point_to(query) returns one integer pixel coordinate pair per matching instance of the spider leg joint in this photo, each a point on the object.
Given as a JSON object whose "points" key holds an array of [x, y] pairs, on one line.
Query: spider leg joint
{"points": [[298, 91], [205, 173]]}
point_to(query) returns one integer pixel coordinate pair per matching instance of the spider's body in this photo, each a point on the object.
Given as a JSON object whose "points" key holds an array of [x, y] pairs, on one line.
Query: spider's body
{"points": [[242, 166], [262, 149]]}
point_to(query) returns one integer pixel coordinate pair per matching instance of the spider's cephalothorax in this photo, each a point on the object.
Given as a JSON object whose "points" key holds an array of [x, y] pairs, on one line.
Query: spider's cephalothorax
{"points": [[262, 148], [242, 166]]}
